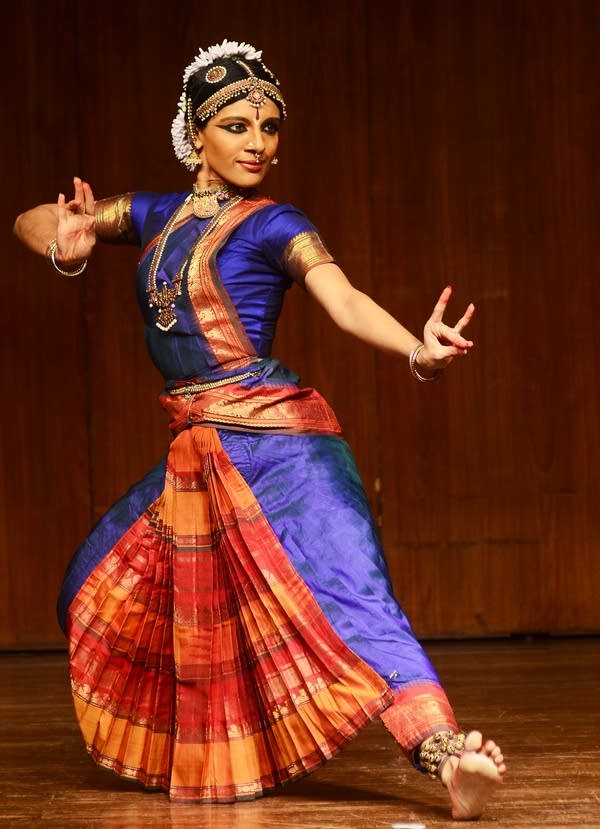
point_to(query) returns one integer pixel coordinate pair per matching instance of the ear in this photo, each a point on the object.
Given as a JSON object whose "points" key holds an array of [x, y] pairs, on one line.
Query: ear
{"points": [[196, 138]]}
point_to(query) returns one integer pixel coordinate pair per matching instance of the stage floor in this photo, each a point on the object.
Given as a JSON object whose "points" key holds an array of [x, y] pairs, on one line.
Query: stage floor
{"points": [[539, 698]]}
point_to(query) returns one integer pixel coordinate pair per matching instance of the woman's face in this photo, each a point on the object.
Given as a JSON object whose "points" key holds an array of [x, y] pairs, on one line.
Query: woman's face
{"points": [[237, 146]]}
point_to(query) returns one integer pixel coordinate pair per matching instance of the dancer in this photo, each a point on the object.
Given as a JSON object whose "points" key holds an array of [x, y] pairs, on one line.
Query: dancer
{"points": [[231, 622]]}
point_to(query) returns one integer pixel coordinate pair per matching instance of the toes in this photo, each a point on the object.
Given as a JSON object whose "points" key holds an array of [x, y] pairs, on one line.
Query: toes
{"points": [[498, 759], [473, 741]]}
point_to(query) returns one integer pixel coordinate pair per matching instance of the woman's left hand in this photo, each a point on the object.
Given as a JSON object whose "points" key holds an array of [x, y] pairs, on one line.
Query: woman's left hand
{"points": [[441, 342]]}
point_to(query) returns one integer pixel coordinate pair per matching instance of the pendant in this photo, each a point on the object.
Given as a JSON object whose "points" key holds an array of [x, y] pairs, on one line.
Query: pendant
{"points": [[205, 203], [165, 319], [164, 302]]}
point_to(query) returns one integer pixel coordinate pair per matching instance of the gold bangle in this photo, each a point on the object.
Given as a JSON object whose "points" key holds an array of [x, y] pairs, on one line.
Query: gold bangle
{"points": [[51, 255], [412, 364]]}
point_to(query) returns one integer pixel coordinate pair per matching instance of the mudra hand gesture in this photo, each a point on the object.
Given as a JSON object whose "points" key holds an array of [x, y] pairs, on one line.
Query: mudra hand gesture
{"points": [[75, 233], [441, 343]]}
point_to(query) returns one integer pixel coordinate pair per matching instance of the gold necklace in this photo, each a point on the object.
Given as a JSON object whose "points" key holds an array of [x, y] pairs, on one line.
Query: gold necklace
{"points": [[205, 201], [164, 298]]}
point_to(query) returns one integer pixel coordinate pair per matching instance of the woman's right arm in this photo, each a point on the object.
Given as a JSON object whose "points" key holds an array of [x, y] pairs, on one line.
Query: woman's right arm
{"points": [[70, 223]]}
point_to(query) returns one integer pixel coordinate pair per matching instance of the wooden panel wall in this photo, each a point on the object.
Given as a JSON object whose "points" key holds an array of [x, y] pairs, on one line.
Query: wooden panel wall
{"points": [[431, 142], [45, 478], [489, 523]]}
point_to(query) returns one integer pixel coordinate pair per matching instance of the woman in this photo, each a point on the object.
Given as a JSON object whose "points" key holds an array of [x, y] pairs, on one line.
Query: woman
{"points": [[231, 622]]}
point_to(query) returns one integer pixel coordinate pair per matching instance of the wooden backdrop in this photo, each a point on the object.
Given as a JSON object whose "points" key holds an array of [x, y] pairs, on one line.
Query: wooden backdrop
{"points": [[431, 142]]}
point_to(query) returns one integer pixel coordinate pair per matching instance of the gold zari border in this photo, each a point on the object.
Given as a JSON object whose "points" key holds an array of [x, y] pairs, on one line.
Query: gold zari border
{"points": [[113, 219], [303, 252]]}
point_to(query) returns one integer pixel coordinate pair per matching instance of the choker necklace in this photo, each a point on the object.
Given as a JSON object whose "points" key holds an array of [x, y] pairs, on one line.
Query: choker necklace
{"points": [[205, 201], [163, 298]]}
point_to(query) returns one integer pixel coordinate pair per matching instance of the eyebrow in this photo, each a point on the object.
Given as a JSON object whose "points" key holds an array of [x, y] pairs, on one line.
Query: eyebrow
{"points": [[246, 120]]}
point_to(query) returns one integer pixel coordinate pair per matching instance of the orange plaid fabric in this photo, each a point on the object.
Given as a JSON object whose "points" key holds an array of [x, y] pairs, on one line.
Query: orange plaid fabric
{"points": [[200, 661]]}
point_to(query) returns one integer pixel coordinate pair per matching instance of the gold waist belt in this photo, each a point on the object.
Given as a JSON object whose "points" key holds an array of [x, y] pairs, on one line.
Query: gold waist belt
{"points": [[196, 388]]}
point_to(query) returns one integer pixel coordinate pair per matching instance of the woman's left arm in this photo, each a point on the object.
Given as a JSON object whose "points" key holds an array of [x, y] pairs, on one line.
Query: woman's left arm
{"points": [[355, 312]]}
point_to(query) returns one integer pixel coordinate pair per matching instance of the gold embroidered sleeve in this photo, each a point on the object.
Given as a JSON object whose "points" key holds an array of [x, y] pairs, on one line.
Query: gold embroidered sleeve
{"points": [[113, 220], [303, 252]]}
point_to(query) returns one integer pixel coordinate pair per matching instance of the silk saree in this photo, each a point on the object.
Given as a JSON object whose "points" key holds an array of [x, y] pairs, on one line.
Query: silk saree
{"points": [[231, 622]]}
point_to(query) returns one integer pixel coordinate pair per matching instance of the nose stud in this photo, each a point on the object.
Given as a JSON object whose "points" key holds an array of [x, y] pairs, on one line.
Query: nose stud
{"points": [[256, 153]]}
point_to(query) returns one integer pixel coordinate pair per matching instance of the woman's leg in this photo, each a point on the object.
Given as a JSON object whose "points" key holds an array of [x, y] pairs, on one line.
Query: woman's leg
{"points": [[470, 768], [312, 495]]}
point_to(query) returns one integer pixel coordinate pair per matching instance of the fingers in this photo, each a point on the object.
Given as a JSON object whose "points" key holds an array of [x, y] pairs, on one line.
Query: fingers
{"points": [[465, 319], [452, 337], [444, 343], [447, 334], [82, 203], [78, 187], [440, 306], [77, 203], [83, 199], [90, 204]]}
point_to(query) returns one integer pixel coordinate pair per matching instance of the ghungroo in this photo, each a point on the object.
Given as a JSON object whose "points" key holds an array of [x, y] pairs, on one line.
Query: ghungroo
{"points": [[435, 750]]}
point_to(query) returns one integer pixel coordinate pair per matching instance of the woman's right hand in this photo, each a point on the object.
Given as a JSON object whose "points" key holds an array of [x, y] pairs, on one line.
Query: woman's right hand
{"points": [[76, 234]]}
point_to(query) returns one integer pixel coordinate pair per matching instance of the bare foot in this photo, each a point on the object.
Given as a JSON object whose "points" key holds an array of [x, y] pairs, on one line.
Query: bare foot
{"points": [[472, 778]]}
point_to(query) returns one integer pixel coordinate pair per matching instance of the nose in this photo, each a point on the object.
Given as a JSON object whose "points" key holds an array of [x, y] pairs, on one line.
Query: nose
{"points": [[256, 145]]}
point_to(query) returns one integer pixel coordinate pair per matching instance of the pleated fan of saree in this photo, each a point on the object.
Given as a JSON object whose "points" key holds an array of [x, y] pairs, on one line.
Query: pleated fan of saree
{"points": [[200, 661]]}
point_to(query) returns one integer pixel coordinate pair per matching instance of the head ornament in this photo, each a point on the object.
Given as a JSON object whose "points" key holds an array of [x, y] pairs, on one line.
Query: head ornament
{"points": [[215, 60]]}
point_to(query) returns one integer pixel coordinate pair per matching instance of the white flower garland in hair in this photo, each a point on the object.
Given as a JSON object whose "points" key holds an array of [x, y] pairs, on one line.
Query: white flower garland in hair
{"points": [[179, 132]]}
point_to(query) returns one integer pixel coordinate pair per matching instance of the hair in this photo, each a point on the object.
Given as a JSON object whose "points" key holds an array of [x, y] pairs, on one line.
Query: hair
{"points": [[199, 89]]}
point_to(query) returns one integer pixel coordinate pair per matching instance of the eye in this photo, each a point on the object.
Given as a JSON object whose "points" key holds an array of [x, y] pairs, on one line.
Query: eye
{"points": [[237, 128], [271, 127]]}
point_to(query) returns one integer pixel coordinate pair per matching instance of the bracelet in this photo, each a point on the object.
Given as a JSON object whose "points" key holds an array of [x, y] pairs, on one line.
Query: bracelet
{"points": [[51, 255], [412, 364]]}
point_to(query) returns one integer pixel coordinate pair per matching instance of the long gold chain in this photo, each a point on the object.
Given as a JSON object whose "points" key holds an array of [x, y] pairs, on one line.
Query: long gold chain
{"points": [[164, 298]]}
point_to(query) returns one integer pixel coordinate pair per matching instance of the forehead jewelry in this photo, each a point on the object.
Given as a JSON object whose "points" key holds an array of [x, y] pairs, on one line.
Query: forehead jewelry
{"points": [[257, 93], [215, 74], [211, 60]]}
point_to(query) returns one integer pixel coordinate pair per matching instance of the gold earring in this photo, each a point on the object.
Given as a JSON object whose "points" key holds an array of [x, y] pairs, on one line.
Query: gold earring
{"points": [[274, 161], [194, 158]]}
